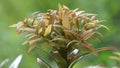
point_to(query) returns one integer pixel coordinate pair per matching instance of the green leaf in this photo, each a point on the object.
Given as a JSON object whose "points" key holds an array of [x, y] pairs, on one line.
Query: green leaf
{"points": [[45, 57], [41, 63], [16, 62], [75, 61], [60, 60]]}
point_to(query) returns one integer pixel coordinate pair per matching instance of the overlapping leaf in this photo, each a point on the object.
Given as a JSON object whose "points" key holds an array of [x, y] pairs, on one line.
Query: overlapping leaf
{"points": [[62, 29]]}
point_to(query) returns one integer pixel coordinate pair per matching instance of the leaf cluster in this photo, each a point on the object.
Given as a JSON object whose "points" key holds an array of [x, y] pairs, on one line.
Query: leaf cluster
{"points": [[64, 30]]}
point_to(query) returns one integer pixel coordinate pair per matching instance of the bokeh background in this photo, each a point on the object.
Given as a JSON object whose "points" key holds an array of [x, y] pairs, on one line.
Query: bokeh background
{"points": [[12, 11]]}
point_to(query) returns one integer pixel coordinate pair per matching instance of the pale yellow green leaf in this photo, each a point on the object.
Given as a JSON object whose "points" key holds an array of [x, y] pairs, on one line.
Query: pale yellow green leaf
{"points": [[28, 35], [79, 12], [65, 7], [40, 30], [14, 25], [89, 25], [32, 37], [115, 58], [105, 27], [25, 42], [99, 34], [60, 10], [34, 41], [34, 22], [117, 53], [48, 30]]}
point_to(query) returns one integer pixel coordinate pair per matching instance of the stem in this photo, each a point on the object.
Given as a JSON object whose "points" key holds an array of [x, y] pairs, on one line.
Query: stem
{"points": [[63, 53]]}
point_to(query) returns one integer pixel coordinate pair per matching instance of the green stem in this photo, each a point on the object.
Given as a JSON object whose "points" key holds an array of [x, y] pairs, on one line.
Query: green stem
{"points": [[63, 53]]}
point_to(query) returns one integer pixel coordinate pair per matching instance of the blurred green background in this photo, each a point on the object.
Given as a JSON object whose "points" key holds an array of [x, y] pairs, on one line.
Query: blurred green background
{"points": [[12, 11]]}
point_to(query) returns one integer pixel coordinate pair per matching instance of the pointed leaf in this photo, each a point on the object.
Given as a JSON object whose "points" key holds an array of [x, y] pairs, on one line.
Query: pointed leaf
{"points": [[16, 62], [34, 41], [14, 25], [104, 27], [45, 57], [48, 30], [42, 63], [87, 34], [65, 19], [40, 30], [31, 47], [99, 34], [94, 38], [79, 12], [65, 7], [59, 59], [73, 41], [31, 30], [75, 21], [88, 47], [89, 25], [106, 48], [117, 53], [115, 58], [60, 39], [60, 11], [25, 42]]}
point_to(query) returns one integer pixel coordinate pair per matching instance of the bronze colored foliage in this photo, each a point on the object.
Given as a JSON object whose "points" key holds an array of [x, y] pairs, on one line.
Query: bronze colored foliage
{"points": [[65, 30]]}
